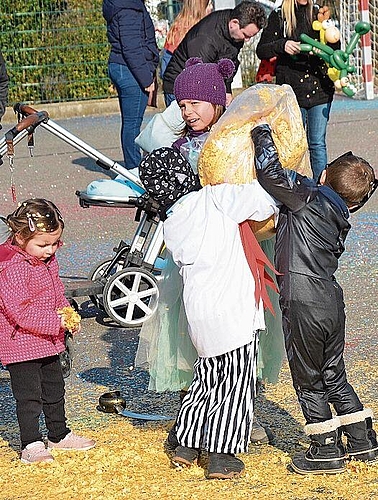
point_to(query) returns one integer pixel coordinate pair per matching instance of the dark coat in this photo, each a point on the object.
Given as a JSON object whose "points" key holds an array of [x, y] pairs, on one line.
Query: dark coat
{"points": [[210, 40], [306, 74], [3, 86], [131, 34]]}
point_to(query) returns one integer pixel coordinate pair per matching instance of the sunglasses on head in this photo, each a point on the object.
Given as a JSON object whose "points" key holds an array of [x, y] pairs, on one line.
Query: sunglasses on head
{"points": [[342, 157], [374, 184]]}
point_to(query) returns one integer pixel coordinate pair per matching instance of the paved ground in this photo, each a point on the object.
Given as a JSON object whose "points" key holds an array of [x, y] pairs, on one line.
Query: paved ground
{"points": [[104, 352]]}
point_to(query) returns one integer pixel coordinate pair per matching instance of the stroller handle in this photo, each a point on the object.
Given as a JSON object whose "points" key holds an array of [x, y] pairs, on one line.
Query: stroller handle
{"points": [[24, 109], [31, 120]]}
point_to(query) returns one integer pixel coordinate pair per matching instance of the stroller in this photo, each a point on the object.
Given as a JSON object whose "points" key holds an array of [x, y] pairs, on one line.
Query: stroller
{"points": [[125, 285]]}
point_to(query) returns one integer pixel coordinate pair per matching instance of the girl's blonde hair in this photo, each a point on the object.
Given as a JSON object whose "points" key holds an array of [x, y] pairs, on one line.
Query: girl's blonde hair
{"points": [[288, 14], [34, 216], [191, 12]]}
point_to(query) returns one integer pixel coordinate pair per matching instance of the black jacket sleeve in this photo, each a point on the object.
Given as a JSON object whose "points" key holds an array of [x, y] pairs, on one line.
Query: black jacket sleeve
{"points": [[288, 187], [3, 86], [272, 40]]}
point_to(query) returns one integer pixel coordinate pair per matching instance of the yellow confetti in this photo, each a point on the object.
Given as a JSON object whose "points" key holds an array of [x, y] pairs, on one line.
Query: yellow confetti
{"points": [[71, 318]]}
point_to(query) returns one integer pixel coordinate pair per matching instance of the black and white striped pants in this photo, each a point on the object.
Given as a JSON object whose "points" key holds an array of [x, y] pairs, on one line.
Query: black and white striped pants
{"points": [[217, 412]]}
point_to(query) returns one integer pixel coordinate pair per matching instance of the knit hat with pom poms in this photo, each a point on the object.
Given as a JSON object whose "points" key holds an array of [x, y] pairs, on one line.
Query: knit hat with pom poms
{"points": [[204, 81]]}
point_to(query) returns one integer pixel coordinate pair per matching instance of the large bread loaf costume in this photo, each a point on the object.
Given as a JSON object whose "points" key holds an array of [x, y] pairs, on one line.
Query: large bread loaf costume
{"points": [[228, 154]]}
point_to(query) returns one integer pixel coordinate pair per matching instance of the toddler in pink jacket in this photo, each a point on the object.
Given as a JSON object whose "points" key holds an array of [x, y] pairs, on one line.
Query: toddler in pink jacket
{"points": [[32, 330]]}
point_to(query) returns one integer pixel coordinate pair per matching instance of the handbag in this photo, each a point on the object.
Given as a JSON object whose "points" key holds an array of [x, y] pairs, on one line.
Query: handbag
{"points": [[266, 70]]}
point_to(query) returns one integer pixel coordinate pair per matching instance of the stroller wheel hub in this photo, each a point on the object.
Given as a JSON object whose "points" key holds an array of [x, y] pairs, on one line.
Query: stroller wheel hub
{"points": [[133, 297]]}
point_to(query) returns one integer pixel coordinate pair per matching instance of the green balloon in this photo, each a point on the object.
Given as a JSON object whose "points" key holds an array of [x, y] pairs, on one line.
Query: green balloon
{"points": [[362, 27], [349, 92]]}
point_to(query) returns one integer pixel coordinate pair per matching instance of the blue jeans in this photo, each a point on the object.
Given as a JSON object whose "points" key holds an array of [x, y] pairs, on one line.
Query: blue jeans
{"points": [[164, 60], [132, 102], [168, 99], [315, 121]]}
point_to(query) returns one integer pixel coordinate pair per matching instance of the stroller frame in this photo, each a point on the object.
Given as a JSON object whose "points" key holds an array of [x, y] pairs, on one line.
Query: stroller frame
{"points": [[125, 286]]}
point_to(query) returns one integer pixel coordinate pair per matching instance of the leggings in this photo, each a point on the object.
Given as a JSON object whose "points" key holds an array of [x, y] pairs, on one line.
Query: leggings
{"points": [[38, 387]]}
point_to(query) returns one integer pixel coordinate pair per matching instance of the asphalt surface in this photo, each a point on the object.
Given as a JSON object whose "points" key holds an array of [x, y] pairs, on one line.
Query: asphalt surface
{"points": [[104, 352]]}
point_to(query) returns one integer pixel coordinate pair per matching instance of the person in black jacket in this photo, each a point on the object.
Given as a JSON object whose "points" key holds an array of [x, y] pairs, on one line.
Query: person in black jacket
{"points": [[4, 80], [133, 60], [305, 73], [311, 231], [219, 35]]}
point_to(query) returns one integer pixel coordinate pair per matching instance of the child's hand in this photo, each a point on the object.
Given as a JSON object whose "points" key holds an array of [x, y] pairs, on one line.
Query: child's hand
{"points": [[70, 319], [76, 330]]}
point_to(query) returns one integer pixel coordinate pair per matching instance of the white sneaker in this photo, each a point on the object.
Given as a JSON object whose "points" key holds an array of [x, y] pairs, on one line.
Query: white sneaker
{"points": [[36, 452]]}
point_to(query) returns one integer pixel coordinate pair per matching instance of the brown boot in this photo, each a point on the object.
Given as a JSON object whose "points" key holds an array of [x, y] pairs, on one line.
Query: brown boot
{"points": [[260, 434]]}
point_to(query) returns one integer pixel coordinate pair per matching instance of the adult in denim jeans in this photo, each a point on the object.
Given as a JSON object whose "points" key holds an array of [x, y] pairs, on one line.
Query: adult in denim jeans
{"points": [[132, 63], [306, 74]]}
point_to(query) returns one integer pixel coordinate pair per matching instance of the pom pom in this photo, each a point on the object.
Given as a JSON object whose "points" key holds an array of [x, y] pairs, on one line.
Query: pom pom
{"points": [[226, 67], [192, 61]]}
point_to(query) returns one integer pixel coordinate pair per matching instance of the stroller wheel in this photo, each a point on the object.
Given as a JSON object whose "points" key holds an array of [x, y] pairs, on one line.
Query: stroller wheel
{"points": [[97, 272], [130, 296]]}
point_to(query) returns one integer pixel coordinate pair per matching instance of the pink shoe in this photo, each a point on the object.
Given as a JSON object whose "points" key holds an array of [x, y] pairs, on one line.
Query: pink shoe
{"points": [[36, 452], [72, 442]]}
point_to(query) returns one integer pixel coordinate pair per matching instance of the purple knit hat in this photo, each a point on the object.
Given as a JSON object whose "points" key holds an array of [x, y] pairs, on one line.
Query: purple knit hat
{"points": [[203, 81]]}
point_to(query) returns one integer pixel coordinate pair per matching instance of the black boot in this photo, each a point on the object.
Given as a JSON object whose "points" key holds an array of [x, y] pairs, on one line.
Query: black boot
{"points": [[326, 454], [361, 438]]}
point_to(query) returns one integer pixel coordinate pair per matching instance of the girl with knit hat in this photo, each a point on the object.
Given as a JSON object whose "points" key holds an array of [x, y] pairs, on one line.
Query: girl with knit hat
{"points": [[223, 300], [200, 94]]}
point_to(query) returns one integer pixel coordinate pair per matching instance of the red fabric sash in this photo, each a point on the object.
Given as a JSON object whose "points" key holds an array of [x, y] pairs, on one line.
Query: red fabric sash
{"points": [[257, 260]]}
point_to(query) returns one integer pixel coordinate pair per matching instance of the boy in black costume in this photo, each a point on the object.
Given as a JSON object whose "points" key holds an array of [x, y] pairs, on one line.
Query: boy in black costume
{"points": [[312, 228]]}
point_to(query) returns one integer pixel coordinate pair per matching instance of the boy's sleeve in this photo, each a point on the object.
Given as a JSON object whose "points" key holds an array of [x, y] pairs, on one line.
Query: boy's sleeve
{"points": [[288, 187]]}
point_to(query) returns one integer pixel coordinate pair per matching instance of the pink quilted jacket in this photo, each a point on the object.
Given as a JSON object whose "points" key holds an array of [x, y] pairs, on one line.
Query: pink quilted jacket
{"points": [[30, 294]]}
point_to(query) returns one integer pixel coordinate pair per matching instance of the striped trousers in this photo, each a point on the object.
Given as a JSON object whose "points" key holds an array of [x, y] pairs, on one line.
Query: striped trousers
{"points": [[217, 412]]}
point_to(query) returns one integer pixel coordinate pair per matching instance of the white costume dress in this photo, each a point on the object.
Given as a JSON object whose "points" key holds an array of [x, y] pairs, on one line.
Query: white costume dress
{"points": [[202, 233]]}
